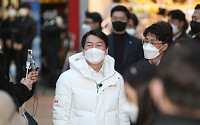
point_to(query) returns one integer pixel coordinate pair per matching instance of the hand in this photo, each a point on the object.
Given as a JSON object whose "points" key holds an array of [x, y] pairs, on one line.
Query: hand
{"points": [[28, 83], [33, 75], [9, 43]]}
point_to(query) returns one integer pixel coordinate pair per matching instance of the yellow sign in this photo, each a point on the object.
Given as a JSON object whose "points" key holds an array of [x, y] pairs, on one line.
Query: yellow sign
{"points": [[53, 1]]}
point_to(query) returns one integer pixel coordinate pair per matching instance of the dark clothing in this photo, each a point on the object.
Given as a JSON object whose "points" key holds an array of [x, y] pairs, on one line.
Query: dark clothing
{"points": [[118, 54], [26, 32], [132, 51], [138, 76], [181, 39], [52, 37], [52, 45], [8, 31], [20, 61], [19, 92], [197, 39], [175, 120], [192, 41]]}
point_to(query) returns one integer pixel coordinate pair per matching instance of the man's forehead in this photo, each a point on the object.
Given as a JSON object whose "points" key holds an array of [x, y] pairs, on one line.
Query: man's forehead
{"points": [[119, 13], [196, 13], [93, 39]]}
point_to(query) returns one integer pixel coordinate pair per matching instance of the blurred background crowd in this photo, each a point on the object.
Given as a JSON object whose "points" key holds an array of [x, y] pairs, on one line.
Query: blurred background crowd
{"points": [[53, 30], [60, 24]]}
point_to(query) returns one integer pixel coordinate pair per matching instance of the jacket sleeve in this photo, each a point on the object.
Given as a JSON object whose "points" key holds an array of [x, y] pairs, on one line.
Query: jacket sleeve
{"points": [[62, 101], [123, 117]]}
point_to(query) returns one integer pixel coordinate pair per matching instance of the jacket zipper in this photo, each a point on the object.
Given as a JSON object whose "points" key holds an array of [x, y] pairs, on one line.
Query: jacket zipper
{"points": [[100, 85]]}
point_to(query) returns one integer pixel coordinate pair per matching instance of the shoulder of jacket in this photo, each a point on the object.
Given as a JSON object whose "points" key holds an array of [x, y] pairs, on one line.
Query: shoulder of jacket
{"points": [[70, 73], [118, 76]]}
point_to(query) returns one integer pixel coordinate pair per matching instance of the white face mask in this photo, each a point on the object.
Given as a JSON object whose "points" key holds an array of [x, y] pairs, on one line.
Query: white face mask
{"points": [[174, 29], [85, 28], [131, 32], [132, 111], [94, 55], [11, 12], [150, 51], [59, 20], [22, 12]]}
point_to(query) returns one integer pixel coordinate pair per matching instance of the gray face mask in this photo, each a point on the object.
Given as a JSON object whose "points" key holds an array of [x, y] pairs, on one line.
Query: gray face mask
{"points": [[175, 29], [131, 31], [85, 28], [11, 12], [22, 12]]}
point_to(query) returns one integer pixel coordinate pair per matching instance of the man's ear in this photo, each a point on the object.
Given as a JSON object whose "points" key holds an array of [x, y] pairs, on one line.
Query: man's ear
{"points": [[96, 25], [106, 53], [156, 90], [165, 46], [182, 24]]}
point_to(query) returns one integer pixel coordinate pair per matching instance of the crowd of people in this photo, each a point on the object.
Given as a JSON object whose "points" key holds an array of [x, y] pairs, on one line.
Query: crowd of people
{"points": [[160, 72], [117, 79]]}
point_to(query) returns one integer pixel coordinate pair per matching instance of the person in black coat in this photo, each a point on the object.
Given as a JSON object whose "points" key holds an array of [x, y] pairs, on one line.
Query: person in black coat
{"points": [[195, 23], [7, 31], [26, 27], [20, 92], [179, 24], [125, 49], [52, 46]]}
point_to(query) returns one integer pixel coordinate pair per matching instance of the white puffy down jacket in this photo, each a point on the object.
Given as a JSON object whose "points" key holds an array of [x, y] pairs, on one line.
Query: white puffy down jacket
{"points": [[77, 101]]}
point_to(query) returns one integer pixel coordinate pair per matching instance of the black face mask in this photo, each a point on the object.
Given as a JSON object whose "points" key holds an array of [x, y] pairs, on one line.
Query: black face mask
{"points": [[119, 26], [195, 26]]}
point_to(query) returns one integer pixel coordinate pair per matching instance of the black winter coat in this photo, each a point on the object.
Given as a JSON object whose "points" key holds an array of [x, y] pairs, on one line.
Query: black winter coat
{"points": [[19, 92]]}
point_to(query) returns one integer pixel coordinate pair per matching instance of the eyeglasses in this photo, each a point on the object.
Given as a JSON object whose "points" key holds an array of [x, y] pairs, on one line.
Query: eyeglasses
{"points": [[145, 41]]}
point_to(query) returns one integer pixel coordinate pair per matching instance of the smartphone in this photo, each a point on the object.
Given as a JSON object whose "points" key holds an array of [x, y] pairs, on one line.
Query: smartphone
{"points": [[29, 56]]}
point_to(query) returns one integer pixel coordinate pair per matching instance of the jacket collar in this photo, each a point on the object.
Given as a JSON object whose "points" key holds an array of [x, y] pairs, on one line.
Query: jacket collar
{"points": [[78, 63]]}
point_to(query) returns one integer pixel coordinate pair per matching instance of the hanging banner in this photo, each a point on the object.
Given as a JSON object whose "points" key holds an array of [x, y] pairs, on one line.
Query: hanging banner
{"points": [[53, 1]]}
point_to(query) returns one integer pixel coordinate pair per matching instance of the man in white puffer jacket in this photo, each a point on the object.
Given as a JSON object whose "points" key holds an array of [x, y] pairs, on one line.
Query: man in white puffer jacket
{"points": [[91, 92]]}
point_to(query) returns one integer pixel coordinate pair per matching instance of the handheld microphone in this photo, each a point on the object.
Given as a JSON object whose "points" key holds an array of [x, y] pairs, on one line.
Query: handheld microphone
{"points": [[98, 86]]}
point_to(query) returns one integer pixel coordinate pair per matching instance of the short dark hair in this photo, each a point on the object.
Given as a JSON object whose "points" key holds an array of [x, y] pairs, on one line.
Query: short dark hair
{"points": [[96, 17], [25, 5], [134, 18], [179, 15], [197, 7], [180, 70], [97, 33], [162, 31], [10, 4], [121, 8]]}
